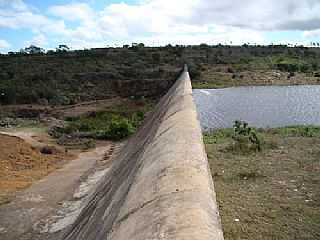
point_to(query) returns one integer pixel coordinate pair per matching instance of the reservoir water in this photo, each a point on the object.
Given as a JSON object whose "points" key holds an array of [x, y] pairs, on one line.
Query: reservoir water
{"points": [[269, 106]]}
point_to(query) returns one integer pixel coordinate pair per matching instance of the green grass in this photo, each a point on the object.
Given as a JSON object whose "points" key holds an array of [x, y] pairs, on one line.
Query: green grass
{"points": [[298, 131], [217, 135]]}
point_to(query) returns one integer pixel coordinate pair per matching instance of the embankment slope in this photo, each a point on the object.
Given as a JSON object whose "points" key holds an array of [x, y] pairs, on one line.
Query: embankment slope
{"points": [[160, 185]]}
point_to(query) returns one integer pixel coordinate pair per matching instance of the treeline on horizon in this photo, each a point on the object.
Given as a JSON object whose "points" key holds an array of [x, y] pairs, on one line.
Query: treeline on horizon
{"points": [[68, 77], [64, 48]]}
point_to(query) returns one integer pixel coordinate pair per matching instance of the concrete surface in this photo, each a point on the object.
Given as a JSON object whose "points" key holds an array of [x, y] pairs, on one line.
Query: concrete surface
{"points": [[160, 186]]}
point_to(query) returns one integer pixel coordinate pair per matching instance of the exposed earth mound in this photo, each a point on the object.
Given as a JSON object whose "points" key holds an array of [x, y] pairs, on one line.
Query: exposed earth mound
{"points": [[21, 164]]}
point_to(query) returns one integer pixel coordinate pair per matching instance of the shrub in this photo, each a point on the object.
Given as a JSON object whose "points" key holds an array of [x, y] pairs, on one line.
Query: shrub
{"points": [[194, 71], [291, 74], [230, 70], [7, 95], [59, 100], [305, 68], [137, 119], [315, 66], [48, 150], [89, 144], [120, 129], [117, 130], [245, 137], [288, 67]]}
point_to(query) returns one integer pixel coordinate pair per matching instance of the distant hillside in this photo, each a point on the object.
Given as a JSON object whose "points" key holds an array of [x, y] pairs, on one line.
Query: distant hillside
{"points": [[69, 77]]}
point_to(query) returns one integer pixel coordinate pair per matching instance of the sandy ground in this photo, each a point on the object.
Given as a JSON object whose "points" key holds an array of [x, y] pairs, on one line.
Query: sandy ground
{"points": [[52, 203]]}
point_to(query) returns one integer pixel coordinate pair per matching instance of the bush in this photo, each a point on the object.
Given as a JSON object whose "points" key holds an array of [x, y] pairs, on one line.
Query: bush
{"points": [[305, 68], [48, 150], [59, 100], [89, 144], [117, 130], [245, 138], [288, 67], [230, 70], [194, 70], [137, 119], [291, 74], [7, 95]]}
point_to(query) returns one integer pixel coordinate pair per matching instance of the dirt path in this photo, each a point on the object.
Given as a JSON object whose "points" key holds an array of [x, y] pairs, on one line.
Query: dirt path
{"points": [[26, 135], [35, 211]]}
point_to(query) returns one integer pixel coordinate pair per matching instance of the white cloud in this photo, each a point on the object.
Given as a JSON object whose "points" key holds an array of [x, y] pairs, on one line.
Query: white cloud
{"points": [[151, 17], [312, 34], [163, 21], [4, 44], [16, 14], [260, 15], [72, 11], [236, 36]]}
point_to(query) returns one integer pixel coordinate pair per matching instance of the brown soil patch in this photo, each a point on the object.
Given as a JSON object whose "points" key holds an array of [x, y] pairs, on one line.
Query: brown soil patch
{"points": [[21, 164]]}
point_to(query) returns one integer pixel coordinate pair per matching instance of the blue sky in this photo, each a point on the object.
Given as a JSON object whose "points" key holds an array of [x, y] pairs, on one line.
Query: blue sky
{"points": [[99, 23]]}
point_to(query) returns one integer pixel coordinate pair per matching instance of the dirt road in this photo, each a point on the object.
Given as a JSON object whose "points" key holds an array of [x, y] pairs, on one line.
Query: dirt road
{"points": [[52, 203]]}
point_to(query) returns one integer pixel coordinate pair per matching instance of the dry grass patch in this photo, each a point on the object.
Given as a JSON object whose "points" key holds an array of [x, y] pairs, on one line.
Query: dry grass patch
{"points": [[272, 194]]}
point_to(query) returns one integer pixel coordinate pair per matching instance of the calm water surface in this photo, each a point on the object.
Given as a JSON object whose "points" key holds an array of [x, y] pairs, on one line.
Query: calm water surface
{"points": [[271, 106]]}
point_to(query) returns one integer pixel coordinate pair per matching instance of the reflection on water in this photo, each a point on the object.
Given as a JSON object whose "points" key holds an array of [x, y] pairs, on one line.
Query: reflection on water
{"points": [[271, 106]]}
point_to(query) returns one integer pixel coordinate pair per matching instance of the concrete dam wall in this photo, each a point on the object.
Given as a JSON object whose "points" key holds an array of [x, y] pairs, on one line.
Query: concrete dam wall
{"points": [[160, 186]]}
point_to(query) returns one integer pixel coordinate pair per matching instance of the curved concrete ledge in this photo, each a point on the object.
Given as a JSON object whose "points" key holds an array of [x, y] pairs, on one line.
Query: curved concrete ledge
{"points": [[160, 187]]}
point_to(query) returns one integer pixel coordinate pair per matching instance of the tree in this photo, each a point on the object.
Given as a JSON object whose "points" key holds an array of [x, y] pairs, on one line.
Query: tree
{"points": [[34, 50], [62, 48], [7, 95]]}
